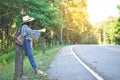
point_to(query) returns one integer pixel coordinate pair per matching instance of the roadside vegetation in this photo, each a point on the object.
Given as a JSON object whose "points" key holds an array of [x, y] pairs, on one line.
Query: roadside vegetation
{"points": [[43, 61]]}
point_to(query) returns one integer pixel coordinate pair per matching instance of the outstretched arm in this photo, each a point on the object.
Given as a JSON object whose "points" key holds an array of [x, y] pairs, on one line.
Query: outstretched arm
{"points": [[43, 30]]}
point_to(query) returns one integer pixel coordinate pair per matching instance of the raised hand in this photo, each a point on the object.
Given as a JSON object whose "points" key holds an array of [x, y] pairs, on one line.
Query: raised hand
{"points": [[43, 30]]}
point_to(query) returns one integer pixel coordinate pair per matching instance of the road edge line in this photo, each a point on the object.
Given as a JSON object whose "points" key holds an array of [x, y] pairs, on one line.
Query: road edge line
{"points": [[86, 67]]}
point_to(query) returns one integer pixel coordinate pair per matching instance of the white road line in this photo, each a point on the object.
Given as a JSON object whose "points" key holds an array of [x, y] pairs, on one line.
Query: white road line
{"points": [[88, 68]]}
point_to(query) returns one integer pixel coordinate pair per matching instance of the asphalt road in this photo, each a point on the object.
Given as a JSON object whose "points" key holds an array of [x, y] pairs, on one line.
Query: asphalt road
{"points": [[86, 62]]}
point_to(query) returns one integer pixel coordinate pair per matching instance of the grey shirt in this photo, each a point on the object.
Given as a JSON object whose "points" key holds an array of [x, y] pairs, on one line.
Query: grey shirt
{"points": [[28, 33]]}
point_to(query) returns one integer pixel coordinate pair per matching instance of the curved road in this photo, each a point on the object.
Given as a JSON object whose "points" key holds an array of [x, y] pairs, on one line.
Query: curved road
{"points": [[86, 62]]}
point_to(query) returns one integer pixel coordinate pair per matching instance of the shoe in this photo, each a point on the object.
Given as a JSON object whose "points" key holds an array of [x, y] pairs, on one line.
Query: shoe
{"points": [[39, 72]]}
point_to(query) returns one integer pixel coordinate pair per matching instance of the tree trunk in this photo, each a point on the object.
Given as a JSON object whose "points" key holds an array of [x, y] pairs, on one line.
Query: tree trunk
{"points": [[18, 62], [7, 40], [61, 36], [68, 40], [43, 46]]}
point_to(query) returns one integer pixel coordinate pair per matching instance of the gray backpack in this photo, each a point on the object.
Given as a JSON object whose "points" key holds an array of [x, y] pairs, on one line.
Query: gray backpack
{"points": [[18, 38]]}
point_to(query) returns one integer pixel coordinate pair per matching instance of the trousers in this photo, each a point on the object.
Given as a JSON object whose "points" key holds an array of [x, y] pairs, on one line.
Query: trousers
{"points": [[29, 53]]}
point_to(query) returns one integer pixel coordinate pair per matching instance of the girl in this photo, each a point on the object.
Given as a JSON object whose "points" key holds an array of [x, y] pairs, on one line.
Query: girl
{"points": [[28, 34]]}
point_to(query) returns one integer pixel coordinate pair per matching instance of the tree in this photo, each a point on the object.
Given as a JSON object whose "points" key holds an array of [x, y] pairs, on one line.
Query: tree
{"points": [[12, 12], [7, 9], [116, 37], [74, 14], [106, 30]]}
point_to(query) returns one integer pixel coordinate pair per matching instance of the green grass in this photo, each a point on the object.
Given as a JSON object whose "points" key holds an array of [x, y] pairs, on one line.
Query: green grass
{"points": [[43, 61], [7, 58]]}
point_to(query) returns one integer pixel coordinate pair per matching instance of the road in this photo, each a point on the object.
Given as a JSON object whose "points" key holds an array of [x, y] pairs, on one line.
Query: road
{"points": [[86, 62]]}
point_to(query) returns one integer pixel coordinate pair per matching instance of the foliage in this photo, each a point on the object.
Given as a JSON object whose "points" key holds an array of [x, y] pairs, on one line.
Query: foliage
{"points": [[117, 32], [108, 31], [76, 26], [42, 60], [113, 30], [45, 15], [66, 20]]}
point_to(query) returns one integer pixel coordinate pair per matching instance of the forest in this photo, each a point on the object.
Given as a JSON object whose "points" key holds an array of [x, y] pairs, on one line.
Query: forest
{"points": [[66, 22]]}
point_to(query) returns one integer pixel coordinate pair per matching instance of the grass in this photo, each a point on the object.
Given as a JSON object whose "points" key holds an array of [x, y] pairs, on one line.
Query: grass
{"points": [[7, 58], [43, 61]]}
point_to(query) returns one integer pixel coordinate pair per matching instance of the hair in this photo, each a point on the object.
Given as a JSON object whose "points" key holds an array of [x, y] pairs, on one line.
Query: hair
{"points": [[27, 23]]}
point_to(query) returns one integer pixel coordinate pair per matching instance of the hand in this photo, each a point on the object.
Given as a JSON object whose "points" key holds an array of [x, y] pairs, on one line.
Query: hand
{"points": [[43, 30]]}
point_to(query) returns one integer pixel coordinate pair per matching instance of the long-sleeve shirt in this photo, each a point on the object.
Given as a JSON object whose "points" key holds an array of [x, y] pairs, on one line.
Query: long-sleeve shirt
{"points": [[28, 33]]}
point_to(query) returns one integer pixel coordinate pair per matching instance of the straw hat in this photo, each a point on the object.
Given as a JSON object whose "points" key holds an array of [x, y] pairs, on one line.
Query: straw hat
{"points": [[27, 19]]}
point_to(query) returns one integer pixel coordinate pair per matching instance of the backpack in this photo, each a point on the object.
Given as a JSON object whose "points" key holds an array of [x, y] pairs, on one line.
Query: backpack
{"points": [[18, 38]]}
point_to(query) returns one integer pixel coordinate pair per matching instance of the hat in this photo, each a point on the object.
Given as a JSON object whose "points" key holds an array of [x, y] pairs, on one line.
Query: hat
{"points": [[27, 19]]}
